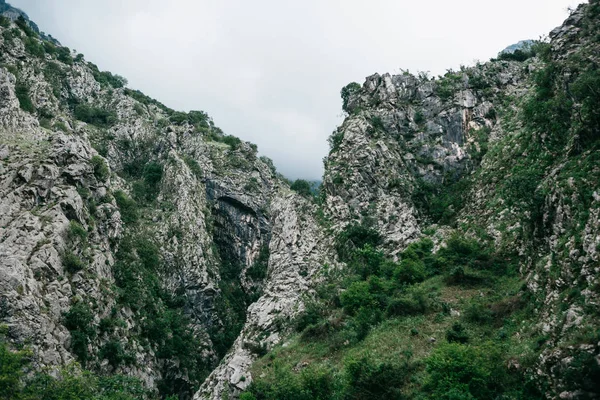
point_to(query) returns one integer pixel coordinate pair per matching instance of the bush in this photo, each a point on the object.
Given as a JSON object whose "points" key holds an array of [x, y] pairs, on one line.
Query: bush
{"points": [[106, 78], [356, 296], [34, 47], [115, 355], [302, 187], [367, 261], [457, 334], [374, 379], [410, 271], [101, 171], [457, 371], [71, 263], [76, 231], [24, 25], [22, 93], [193, 166], [356, 237], [232, 141], [127, 206], [95, 116], [78, 320], [419, 118], [412, 302], [149, 187]]}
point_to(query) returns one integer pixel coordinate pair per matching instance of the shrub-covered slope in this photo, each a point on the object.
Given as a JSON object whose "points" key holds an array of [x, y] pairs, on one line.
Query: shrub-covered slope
{"points": [[466, 211]]}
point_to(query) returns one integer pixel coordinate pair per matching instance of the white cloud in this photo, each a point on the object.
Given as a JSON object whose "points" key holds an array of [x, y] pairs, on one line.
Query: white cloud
{"points": [[270, 71]]}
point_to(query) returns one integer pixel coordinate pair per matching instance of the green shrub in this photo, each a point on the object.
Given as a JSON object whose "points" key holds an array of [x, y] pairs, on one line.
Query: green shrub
{"points": [[302, 187], [370, 378], [76, 231], [356, 296], [106, 78], [127, 206], [113, 352], [232, 141], [377, 123], [22, 93], [457, 371], [101, 171], [78, 320], [149, 187], [411, 302], [24, 25], [12, 371], [419, 118], [258, 270], [34, 47], [366, 261], [457, 334], [72, 263], [95, 116], [410, 271], [193, 166], [356, 237], [335, 140]]}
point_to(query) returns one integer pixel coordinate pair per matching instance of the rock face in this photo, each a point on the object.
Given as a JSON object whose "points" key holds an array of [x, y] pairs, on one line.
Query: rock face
{"points": [[94, 177], [298, 251], [403, 131], [124, 224]]}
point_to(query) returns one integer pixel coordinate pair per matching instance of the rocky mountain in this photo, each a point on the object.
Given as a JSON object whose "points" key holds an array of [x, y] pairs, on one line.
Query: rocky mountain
{"points": [[452, 250]]}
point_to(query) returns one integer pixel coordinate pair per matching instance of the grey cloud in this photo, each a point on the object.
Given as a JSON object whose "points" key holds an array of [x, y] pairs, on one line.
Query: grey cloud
{"points": [[270, 71]]}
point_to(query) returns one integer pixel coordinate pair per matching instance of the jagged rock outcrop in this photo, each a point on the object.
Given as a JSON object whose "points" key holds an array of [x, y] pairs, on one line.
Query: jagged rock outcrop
{"points": [[403, 130], [299, 249]]}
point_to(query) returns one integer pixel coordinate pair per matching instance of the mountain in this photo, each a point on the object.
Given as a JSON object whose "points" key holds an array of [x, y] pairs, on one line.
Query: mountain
{"points": [[452, 250], [522, 45]]}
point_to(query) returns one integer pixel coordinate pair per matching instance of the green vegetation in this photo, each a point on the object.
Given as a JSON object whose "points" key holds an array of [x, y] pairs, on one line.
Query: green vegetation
{"points": [[95, 116], [56, 77], [335, 140], [72, 263], [441, 202], [162, 324], [18, 382], [24, 25], [78, 320], [22, 93], [147, 188], [348, 91], [448, 85], [193, 166], [199, 119], [302, 187], [101, 171], [367, 333], [107, 79], [127, 206]]}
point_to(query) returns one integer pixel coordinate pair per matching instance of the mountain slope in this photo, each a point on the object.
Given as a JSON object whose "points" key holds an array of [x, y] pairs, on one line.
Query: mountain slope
{"points": [[133, 237], [490, 176], [452, 250]]}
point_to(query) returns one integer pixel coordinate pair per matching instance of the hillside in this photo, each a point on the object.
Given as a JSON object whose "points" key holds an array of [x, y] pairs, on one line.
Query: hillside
{"points": [[452, 250]]}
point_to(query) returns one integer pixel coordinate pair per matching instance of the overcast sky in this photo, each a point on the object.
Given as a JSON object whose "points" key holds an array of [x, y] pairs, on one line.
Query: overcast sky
{"points": [[270, 71]]}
